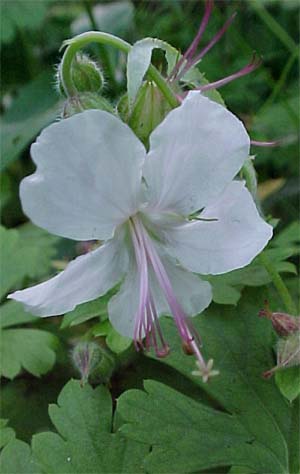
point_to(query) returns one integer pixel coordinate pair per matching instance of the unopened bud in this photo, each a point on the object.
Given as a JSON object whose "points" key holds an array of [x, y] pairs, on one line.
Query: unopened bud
{"points": [[86, 74], [283, 323], [288, 353], [86, 357], [148, 110], [94, 362], [86, 101]]}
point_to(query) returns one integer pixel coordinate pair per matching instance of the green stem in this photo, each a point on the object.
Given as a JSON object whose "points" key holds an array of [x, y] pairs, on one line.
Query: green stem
{"points": [[279, 284], [273, 25], [82, 40]]}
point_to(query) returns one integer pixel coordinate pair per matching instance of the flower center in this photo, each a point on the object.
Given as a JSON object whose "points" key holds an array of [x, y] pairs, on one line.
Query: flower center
{"points": [[146, 319]]}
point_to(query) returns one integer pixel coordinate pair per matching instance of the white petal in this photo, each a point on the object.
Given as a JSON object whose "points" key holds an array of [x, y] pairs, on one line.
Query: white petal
{"points": [[193, 294], [230, 242], [88, 176], [123, 306], [194, 154], [85, 278]]}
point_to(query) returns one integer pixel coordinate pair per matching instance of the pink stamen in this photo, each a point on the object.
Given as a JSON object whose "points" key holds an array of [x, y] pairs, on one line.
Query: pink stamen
{"points": [[188, 55], [266, 144], [146, 319], [254, 64], [185, 328], [144, 289], [205, 50]]}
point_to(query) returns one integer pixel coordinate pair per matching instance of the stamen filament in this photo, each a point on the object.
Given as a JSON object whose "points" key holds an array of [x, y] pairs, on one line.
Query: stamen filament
{"points": [[266, 144], [188, 55], [205, 50], [146, 319], [143, 272], [254, 64], [186, 330]]}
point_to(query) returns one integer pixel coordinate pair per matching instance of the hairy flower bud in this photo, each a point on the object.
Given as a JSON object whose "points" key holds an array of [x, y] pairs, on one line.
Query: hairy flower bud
{"points": [[85, 101], [92, 361], [283, 323], [86, 74], [149, 109]]}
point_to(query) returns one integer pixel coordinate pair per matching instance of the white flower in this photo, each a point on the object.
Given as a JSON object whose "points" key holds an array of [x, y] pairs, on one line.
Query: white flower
{"points": [[94, 180]]}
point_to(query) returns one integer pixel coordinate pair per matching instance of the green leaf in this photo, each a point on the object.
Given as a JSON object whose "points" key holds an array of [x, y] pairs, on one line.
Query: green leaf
{"points": [[13, 313], [289, 238], [84, 442], [139, 60], [15, 459], [86, 311], [35, 107], [31, 349], [7, 434], [188, 437], [227, 288], [114, 340], [25, 252], [12, 257], [288, 382]]}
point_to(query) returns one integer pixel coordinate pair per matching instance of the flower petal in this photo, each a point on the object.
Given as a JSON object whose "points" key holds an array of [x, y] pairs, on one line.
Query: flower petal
{"points": [[225, 244], [193, 294], [85, 278], [88, 176], [123, 306], [194, 154]]}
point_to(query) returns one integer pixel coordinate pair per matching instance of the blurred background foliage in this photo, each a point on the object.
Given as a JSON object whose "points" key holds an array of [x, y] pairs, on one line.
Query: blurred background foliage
{"points": [[267, 101]]}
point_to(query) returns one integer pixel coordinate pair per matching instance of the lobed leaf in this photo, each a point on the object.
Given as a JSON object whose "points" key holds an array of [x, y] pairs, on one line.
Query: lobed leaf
{"points": [[84, 443], [187, 437]]}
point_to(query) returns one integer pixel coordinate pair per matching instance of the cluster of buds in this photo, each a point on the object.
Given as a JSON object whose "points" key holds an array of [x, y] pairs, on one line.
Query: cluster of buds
{"points": [[288, 345], [150, 106], [88, 80]]}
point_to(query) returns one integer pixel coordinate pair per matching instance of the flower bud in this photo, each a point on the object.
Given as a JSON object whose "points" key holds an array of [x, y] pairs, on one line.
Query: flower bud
{"points": [[149, 109], [86, 74], [283, 323], [288, 353], [93, 362], [85, 101]]}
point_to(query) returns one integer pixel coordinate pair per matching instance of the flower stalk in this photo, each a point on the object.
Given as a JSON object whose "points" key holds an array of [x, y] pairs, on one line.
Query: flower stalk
{"points": [[279, 284], [82, 40]]}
